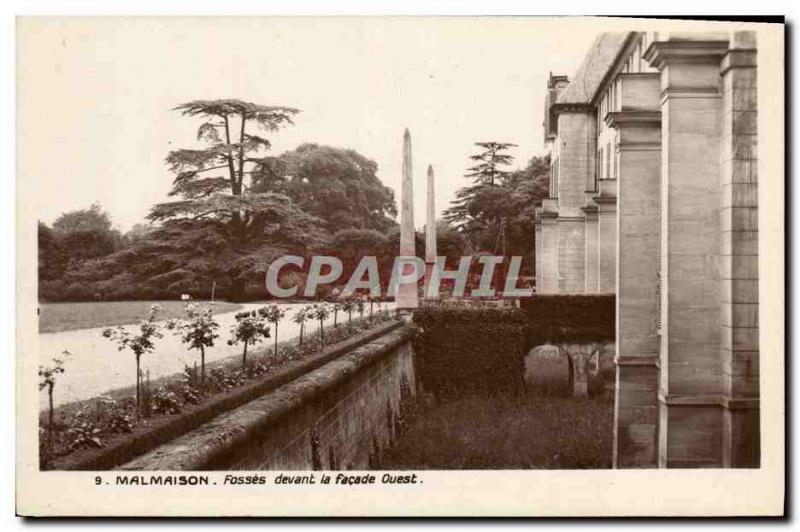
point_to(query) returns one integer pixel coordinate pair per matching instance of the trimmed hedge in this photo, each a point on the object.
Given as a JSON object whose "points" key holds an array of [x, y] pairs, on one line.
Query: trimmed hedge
{"points": [[578, 319], [463, 349]]}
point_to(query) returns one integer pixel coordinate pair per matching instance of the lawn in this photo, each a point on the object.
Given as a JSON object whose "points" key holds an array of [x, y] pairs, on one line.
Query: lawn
{"points": [[58, 317], [507, 432]]}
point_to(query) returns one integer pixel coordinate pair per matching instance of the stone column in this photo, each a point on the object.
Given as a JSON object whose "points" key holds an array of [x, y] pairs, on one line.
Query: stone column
{"points": [[577, 136], [690, 431], [571, 254], [407, 292], [739, 254], [638, 205], [430, 232], [537, 246], [607, 235], [549, 219], [592, 252]]}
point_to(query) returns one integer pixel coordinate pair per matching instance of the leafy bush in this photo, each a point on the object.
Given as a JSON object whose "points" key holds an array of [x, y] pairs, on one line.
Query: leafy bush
{"points": [[165, 401], [249, 329], [198, 331]]}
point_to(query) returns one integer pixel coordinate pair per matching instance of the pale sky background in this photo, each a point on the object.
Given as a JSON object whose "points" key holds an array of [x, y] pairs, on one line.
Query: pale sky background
{"points": [[95, 95]]}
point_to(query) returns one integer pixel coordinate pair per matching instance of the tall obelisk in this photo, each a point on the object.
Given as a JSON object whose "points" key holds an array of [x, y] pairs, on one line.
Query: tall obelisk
{"points": [[407, 292], [430, 233]]}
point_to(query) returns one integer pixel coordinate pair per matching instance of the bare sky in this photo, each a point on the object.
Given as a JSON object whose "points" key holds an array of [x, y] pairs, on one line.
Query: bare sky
{"points": [[95, 95]]}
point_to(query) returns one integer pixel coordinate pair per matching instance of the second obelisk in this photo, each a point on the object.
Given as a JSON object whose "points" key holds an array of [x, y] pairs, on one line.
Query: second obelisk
{"points": [[430, 234]]}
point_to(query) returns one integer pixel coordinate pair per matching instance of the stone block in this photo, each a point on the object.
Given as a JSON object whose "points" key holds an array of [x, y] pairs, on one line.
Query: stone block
{"points": [[743, 99], [740, 315], [739, 243], [744, 122], [739, 195], [741, 445], [694, 436], [741, 170], [740, 267], [739, 291], [740, 338]]}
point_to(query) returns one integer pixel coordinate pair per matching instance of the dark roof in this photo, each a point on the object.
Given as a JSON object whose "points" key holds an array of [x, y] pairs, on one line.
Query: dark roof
{"points": [[598, 60]]}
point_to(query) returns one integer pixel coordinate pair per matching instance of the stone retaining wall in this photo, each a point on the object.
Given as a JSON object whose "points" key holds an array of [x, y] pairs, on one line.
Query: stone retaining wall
{"points": [[339, 416]]}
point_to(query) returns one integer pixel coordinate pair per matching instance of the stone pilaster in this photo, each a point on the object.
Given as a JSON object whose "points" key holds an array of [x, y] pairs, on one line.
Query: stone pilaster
{"points": [[571, 257], [690, 431], [537, 246], [636, 406], [549, 271], [592, 260], [576, 146], [739, 254], [607, 235]]}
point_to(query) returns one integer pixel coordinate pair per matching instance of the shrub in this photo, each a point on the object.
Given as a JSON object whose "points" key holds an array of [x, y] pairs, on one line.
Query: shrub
{"points": [[137, 344], [249, 329], [198, 331], [165, 401]]}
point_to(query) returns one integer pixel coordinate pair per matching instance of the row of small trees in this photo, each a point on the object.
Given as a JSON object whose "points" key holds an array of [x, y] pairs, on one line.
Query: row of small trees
{"points": [[322, 311], [199, 330]]}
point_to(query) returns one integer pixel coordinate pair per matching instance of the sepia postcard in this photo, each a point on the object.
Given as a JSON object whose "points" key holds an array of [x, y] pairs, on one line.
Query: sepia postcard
{"points": [[399, 266]]}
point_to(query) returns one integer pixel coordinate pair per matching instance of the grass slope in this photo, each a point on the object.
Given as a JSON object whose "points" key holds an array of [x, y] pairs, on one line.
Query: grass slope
{"points": [[58, 317], [508, 432]]}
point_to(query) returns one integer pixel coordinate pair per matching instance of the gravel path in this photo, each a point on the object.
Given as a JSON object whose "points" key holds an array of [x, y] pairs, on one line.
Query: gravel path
{"points": [[96, 366]]}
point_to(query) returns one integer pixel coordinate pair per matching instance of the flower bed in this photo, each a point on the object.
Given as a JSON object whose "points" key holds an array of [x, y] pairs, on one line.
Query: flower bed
{"points": [[102, 432]]}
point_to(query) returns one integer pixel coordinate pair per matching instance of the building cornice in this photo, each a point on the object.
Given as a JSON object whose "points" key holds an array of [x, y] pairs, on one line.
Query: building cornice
{"points": [[619, 119], [604, 200], [738, 58], [661, 53], [562, 107]]}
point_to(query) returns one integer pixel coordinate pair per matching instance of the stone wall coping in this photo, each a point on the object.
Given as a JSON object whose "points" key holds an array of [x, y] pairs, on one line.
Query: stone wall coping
{"points": [[210, 444], [174, 426]]}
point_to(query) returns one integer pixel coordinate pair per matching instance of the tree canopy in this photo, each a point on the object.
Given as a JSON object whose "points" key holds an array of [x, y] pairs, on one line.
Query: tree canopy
{"points": [[232, 209], [495, 212], [339, 186]]}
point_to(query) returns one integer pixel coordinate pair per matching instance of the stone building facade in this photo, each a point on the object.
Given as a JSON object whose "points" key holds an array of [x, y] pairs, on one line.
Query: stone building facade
{"points": [[653, 196]]}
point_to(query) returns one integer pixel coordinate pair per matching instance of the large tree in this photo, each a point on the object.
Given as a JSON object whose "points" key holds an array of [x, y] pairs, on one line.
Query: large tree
{"points": [[76, 236], [221, 230], [337, 185], [496, 211], [480, 206]]}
